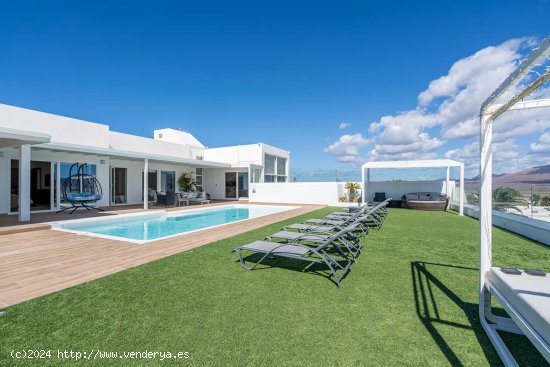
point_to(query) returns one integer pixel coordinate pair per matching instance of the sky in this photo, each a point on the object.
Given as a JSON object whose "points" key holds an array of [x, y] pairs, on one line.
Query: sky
{"points": [[336, 83]]}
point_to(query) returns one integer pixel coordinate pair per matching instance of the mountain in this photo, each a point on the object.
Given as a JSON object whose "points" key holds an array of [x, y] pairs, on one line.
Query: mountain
{"points": [[522, 180]]}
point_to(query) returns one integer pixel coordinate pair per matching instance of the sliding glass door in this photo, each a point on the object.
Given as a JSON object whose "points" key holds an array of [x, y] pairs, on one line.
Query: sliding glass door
{"points": [[119, 193], [231, 185], [41, 193], [243, 184]]}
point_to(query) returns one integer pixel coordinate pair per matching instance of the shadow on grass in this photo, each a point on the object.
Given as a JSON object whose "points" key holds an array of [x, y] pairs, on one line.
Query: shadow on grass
{"points": [[429, 314], [296, 265]]}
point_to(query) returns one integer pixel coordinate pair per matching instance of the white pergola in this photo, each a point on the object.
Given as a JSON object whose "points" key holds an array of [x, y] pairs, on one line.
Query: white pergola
{"points": [[490, 110], [428, 163]]}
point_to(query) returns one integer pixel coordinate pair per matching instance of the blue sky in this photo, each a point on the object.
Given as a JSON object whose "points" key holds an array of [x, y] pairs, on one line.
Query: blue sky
{"points": [[283, 73]]}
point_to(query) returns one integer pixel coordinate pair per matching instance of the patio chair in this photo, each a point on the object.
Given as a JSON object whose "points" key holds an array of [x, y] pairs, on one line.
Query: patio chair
{"points": [[152, 197], [198, 197], [170, 198], [379, 197], [349, 238], [328, 253]]}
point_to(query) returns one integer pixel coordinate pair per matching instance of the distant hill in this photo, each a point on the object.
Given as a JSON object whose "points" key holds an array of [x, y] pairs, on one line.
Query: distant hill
{"points": [[522, 180]]}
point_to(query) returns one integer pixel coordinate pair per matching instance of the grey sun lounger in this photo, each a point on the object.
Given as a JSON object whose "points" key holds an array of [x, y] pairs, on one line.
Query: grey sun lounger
{"points": [[362, 228], [328, 253], [368, 216], [349, 239]]}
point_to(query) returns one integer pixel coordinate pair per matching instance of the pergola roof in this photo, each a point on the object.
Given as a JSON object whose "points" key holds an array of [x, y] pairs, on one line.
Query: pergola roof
{"points": [[426, 163]]}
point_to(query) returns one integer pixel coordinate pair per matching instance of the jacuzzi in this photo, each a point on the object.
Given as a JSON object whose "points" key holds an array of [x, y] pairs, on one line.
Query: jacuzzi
{"points": [[434, 201]]}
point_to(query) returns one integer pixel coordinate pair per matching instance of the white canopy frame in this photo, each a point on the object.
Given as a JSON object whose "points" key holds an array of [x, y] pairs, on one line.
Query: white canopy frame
{"points": [[490, 110], [427, 163]]}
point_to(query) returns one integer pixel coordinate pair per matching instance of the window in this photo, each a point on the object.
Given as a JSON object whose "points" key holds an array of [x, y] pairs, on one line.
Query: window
{"points": [[256, 175], [167, 181], [198, 179], [270, 164], [275, 169], [281, 166]]}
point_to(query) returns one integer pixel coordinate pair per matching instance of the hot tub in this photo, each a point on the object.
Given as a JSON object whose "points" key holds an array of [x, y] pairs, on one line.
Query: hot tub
{"points": [[433, 201]]}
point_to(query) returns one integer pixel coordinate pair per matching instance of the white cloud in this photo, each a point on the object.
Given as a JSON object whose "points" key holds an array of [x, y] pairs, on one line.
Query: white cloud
{"points": [[344, 125], [448, 109], [542, 146], [347, 147]]}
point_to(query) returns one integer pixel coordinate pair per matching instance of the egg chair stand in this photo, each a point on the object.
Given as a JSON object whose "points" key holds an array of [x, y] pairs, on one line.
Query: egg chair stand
{"points": [[81, 190]]}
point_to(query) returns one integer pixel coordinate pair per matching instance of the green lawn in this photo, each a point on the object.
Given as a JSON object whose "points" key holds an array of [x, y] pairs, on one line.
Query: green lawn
{"points": [[411, 299]]}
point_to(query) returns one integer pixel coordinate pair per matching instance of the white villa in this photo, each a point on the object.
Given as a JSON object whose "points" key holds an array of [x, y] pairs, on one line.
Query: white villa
{"points": [[37, 150]]}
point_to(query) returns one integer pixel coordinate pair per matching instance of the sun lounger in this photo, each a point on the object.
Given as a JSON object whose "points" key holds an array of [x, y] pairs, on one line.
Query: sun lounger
{"points": [[328, 252], [350, 240], [370, 215]]}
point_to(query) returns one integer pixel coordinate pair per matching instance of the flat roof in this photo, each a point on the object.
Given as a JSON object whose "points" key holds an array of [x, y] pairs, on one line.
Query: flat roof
{"points": [[421, 163], [130, 155]]}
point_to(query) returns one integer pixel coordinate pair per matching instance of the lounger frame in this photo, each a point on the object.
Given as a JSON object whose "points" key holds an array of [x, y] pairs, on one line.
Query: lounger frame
{"points": [[516, 324], [337, 270]]}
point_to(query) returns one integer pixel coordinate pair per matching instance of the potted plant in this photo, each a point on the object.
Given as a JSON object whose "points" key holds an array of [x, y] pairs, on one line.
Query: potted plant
{"points": [[186, 183], [352, 188]]}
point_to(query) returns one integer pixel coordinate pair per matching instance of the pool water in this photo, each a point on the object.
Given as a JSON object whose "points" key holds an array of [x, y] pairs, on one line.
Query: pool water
{"points": [[152, 226]]}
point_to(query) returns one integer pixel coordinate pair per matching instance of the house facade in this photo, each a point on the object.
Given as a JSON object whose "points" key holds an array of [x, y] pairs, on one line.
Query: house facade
{"points": [[37, 151]]}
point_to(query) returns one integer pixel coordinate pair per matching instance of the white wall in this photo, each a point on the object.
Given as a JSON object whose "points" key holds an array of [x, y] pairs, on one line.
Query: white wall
{"points": [[326, 193], [236, 155], [531, 228], [139, 144], [178, 137], [396, 190]]}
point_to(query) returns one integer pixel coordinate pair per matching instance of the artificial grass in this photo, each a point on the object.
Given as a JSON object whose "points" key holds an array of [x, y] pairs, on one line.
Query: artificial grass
{"points": [[411, 299]]}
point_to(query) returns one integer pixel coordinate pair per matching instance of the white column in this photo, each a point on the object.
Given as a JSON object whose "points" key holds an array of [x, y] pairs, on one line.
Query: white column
{"points": [[159, 181], [146, 183], [368, 184], [363, 184], [447, 177], [461, 200], [25, 183], [58, 184], [485, 204]]}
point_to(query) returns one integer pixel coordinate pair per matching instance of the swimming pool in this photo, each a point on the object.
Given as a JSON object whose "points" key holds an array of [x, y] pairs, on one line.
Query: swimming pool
{"points": [[147, 227]]}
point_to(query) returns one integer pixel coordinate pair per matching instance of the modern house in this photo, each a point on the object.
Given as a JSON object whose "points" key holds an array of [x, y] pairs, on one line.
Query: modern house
{"points": [[37, 150]]}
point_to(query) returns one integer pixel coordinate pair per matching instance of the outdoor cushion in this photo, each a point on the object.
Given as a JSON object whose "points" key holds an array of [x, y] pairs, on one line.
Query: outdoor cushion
{"points": [[530, 296]]}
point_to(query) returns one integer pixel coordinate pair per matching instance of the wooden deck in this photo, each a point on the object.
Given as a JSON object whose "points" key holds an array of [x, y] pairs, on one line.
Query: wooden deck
{"points": [[36, 260]]}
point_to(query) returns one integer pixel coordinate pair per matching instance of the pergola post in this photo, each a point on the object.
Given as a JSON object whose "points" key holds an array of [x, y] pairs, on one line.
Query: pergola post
{"points": [[447, 177], [368, 184], [485, 203], [146, 183], [364, 185], [462, 190], [24, 183]]}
